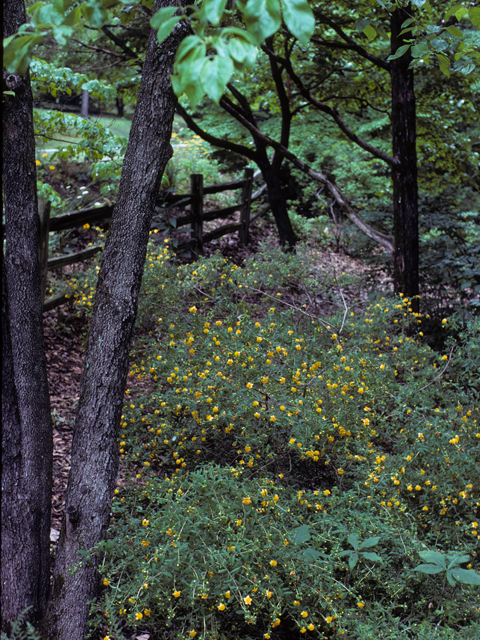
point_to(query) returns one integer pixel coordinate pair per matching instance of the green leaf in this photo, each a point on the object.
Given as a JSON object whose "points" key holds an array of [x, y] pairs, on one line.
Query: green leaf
{"points": [[435, 557], [419, 50], [310, 555], [455, 560], [215, 75], [399, 52], [242, 51], [187, 45], [353, 540], [374, 557], [95, 14], [455, 31], [298, 16], [451, 579], [158, 18], [418, 3], [167, 27], [463, 11], [370, 32], [439, 44], [474, 16], [444, 64], [302, 534], [352, 561], [361, 24], [262, 18], [369, 542], [452, 10], [466, 576], [429, 568], [213, 10]]}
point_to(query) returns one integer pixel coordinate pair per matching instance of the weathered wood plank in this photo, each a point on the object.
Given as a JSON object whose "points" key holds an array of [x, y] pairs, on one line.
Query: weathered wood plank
{"points": [[72, 258]]}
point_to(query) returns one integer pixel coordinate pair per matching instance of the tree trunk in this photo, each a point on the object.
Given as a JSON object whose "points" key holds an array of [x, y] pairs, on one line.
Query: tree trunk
{"points": [[278, 204], [84, 107], [120, 106], [94, 464], [405, 189], [26, 421]]}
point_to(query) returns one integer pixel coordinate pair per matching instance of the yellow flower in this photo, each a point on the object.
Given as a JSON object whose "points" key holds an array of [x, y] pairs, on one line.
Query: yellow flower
{"points": [[145, 523], [176, 594], [249, 385], [44, 155], [106, 582], [147, 612], [221, 607], [227, 595], [247, 600], [239, 522], [273, 563], [311, 627], [193, 310], [51, 167], [247, 500], [304, 614], [145, 543], [139, 615], [360, 604], [37, 162], [329, 619], [269, 594], [192, 633]]}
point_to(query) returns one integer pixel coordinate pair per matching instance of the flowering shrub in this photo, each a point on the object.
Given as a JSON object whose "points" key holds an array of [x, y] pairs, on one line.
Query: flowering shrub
{"points": [[284, 469]]}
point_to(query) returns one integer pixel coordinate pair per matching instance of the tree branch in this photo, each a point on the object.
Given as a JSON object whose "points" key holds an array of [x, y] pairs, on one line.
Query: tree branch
{"points": [[91, 46], [350, 42], [126, 49], [218, 142], [382, 239], [331, 111]]}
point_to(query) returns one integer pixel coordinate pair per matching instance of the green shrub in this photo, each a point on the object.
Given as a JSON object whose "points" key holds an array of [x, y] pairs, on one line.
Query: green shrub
{"points": [[297, 462]]}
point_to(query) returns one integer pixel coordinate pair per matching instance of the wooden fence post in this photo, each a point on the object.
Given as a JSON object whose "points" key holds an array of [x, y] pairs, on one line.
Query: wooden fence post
{"points": [[197, 213], [44, 214], [243, 233]]}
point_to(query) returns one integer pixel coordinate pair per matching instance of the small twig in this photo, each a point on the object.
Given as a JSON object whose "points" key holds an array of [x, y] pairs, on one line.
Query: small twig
{"points": [[442, 371], [309, 315], [346, 309]]}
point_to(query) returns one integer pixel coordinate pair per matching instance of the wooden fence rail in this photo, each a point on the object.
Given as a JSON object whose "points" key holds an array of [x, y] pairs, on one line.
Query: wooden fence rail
{"points": [[196, 219]]}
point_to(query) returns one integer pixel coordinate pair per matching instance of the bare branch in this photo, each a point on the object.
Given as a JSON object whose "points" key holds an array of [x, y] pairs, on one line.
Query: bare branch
{"points": [[350, 42], [382, 239], [218, 142], [442, 371]]}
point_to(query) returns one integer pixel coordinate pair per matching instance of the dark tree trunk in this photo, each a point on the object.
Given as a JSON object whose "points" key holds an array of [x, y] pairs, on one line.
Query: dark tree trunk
{"points": [[94, 464], [276, 197], [26, 420], [405, 190], [120, 106]]}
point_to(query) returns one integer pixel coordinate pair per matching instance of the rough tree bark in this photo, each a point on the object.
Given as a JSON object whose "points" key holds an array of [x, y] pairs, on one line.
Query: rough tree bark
{"points": [[26, 420], [405, 189], [94, 465]]}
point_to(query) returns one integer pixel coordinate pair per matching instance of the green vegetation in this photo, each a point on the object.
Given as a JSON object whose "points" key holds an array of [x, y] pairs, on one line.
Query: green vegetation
{"points": [[291, 466]]}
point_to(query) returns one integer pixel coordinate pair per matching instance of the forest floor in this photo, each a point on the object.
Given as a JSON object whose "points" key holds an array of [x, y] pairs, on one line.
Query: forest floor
{"points": [[66, 336]]}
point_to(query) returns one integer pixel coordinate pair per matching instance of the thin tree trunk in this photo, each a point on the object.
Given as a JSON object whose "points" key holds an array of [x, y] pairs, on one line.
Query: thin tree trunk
{"points": [[94, 467], [84, 107], [26, 421], [278, 204], [405, 189]]}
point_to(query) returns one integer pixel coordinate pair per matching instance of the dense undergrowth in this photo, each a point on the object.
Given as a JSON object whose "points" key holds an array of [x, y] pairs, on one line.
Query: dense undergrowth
{"points": [[299, 464]]}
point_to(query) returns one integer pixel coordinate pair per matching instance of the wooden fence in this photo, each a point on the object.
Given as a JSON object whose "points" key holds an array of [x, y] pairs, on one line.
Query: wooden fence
{"points": [[196, 219]]}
